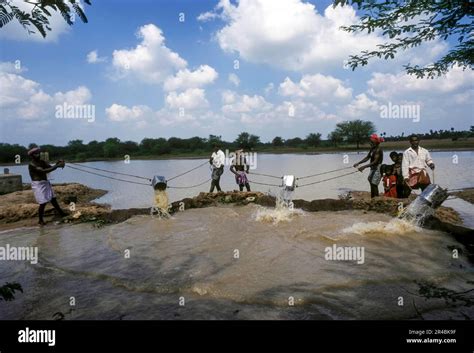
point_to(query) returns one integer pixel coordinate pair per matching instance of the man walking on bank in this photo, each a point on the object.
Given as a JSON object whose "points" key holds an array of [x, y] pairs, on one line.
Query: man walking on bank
{"points": [[217, 162]]}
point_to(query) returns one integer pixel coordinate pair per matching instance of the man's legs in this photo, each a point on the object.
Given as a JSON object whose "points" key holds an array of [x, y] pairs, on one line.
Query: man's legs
{"points": [[213, 184], [41, 213], [217, 184], [247, 185], [374, 190], [54, 202]]}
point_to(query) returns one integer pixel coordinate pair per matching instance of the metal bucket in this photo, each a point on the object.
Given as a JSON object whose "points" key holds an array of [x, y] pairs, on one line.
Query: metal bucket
{"points": [[159, 182], [289, 182], [434, 195]]}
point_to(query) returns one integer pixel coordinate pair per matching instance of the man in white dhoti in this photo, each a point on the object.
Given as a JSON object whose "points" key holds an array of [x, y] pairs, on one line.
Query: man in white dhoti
{"points": [[414, 163], [40, 184]]}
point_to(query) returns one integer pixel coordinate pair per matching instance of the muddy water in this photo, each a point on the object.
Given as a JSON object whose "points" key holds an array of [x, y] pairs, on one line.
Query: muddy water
{"points": [[233, 262]]}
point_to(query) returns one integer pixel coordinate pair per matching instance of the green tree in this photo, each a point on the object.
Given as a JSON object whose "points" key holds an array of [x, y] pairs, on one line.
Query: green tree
{"points": [[214, 139], [410, 23], [355, 131], [111, 147], [41, 10], [277, 141], [254, 141], [247, 140], [313, 139], [294, 142], [335, 137]]}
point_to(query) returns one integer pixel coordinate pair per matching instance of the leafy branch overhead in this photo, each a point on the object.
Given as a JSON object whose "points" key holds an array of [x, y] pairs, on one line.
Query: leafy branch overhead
{"points": [[7, 291], [38, 16], [409, 23]]}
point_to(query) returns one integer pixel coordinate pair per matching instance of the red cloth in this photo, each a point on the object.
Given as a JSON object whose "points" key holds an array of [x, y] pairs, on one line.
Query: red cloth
{"points": [[390, 185], [376, 139]]}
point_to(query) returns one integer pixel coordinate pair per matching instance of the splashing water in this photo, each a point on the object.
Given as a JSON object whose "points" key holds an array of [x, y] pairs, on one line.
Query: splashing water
{"points": [[284, 210], [161, 203], [393, 227], [417, 212]]}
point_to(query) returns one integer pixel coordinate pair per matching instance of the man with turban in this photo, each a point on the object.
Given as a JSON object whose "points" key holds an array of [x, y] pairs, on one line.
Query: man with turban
{"points": [[375, 156], [40, 184]]}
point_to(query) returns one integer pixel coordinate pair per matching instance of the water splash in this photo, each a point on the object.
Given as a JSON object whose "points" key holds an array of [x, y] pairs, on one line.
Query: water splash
{"points": [[161, 203], [393, 227], [284, 209]]}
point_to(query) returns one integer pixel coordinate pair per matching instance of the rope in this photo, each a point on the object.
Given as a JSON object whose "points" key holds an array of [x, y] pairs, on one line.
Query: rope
{"points": [[108, 177], [108, 171], [267, 175], [199, 166], [331, 171], [189, 187], [254, 182], [320, 181]]}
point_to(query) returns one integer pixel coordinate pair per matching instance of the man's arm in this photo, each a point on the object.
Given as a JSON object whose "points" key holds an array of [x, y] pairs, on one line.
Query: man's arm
{"points": [[48, 169], [363, 160], [405, 165], [428, 160]]}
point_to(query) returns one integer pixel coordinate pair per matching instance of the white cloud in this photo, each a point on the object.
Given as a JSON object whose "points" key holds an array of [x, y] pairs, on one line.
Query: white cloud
{"points": [[236, 104], [117, 112], [361, 106], [289, 34], [185, 79], [150, 61], [269, 88], [293, 35], [192, 98], [316, 87], [234, 79], [12, 67], [24, 99], [94, 58], [392, 86]]}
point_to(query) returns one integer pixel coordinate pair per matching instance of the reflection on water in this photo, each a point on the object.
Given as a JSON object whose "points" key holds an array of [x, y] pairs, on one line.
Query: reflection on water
{"points": [[193, 255], [124, 195]]}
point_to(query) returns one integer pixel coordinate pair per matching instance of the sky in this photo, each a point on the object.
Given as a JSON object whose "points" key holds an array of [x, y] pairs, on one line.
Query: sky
{"points": [[162, 68]]}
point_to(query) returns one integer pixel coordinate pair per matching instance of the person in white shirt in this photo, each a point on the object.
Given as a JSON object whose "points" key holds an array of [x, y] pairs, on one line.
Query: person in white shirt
{"points": [[415, 160], [217, 162]]}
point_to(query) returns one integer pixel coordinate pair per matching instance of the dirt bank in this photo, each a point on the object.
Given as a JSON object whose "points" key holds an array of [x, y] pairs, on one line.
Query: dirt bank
{"points": [[20, 209], [467, 195]]}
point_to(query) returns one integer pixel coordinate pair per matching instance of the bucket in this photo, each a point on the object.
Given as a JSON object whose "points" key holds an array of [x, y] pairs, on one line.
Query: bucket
{"points": [[289, 182], [159, 182], [434, 195]]}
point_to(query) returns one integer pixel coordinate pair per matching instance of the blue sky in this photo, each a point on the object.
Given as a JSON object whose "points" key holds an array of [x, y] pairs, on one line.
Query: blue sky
{"points": [[148, 74]]}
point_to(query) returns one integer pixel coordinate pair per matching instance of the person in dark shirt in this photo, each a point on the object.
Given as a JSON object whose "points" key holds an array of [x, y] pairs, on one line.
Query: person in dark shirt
{"points": [[240, 168], [40, 184]]}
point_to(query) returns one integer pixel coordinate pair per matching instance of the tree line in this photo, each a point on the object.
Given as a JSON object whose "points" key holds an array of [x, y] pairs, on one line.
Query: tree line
{"points": [[355, 132]]}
